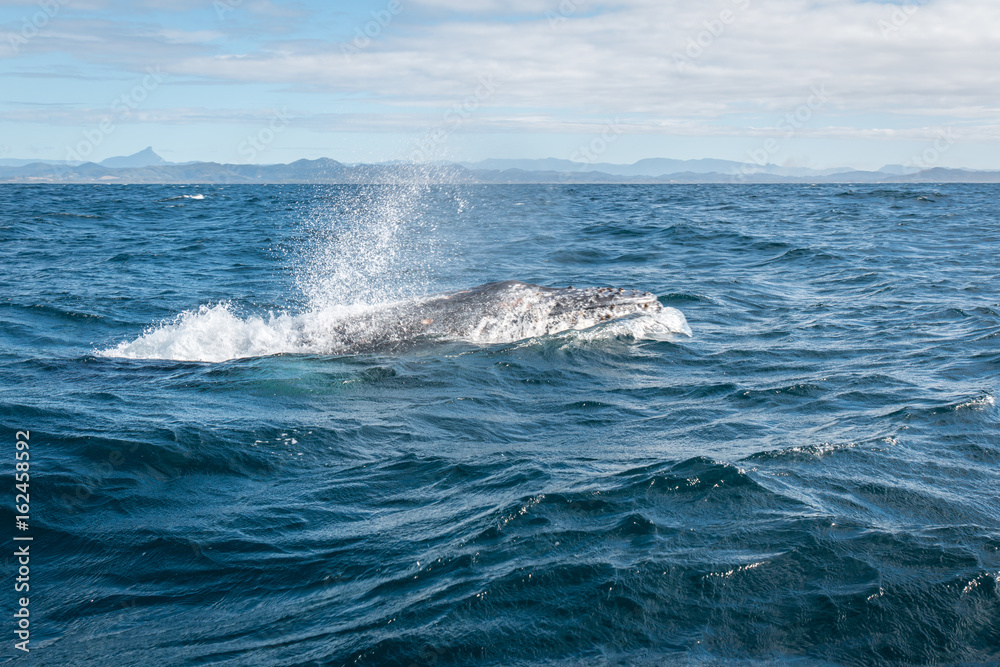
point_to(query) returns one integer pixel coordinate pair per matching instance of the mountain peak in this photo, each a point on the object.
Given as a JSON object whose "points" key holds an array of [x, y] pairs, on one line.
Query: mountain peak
{"points": [[144, 158]]}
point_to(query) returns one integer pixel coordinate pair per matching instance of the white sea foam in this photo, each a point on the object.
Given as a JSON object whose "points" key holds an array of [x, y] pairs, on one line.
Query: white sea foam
{"points": [[981, 403], [212, 333], [198, 196], [665, 324]]}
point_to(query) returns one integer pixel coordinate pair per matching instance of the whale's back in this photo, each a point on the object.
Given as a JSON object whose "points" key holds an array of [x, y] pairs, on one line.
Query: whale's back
{"points": [[498, 312]]}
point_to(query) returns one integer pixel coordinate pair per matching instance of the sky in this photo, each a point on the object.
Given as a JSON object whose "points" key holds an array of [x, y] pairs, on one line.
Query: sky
{"points": [[813, 83]]}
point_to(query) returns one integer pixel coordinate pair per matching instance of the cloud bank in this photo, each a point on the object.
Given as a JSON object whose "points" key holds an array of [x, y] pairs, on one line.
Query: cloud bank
{"points": [[884, 70]]}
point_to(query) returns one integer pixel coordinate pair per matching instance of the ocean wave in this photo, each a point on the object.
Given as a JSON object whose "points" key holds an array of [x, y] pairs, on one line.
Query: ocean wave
{"points": [[980, 403]]}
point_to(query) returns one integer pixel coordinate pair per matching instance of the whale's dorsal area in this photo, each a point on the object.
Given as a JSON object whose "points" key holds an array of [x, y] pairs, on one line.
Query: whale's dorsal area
{"points": [[499, 312]]}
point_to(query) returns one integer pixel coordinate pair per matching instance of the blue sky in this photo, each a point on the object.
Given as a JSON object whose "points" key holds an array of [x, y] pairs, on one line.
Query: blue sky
{"points": [[818, 83]]}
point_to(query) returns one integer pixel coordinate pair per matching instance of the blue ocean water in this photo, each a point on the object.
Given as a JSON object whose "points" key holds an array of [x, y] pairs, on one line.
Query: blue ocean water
{"points": [[810, 478]]}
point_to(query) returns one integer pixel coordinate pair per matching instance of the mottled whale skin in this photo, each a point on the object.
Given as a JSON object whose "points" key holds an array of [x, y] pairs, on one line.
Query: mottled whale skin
{"points": [[499, 312]]}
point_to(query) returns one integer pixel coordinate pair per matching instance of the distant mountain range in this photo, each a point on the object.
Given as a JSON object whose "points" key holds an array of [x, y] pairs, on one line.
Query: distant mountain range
{"points": [[144, 158], [665, 166], [148, 167]]}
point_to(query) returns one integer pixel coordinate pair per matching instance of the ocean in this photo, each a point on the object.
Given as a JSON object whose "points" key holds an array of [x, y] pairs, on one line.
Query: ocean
{"points": [[811, 477]]}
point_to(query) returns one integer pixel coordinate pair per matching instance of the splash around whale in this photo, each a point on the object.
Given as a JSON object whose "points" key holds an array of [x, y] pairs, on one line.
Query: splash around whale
{"points": [[494, 313]]}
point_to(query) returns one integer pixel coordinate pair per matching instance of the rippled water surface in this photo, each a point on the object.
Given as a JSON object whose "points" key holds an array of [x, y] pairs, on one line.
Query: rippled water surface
{"points": [[810, 478]]}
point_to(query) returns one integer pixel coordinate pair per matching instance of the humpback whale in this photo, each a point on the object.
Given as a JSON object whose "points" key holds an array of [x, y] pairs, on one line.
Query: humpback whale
{"points": [[494, 313], [499, 312]]}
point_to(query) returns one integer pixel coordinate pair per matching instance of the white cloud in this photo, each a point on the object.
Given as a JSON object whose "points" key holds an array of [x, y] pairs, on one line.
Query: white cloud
{"points": [[188, 36], [638, 60]]}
